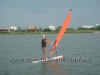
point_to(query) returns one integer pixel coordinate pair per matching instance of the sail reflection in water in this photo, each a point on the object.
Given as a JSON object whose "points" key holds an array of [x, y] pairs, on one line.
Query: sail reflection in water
{"points": [[52, 68]]}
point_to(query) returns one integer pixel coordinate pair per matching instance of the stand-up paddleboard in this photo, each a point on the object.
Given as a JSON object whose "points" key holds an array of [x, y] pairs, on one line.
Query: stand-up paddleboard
{"points": [[50, 59]]}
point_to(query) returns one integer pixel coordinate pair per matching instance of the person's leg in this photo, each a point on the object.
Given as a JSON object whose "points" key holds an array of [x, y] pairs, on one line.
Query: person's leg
{"points": [[44, 53]]}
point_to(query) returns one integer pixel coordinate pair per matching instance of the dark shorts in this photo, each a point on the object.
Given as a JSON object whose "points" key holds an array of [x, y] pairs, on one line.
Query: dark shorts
{"points": [[44, 50]]}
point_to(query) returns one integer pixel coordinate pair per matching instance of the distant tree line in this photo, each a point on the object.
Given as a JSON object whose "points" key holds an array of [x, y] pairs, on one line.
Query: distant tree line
{"points": [[40, 30]]}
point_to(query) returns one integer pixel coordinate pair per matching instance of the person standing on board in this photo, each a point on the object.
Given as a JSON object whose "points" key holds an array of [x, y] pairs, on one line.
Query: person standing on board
{"points": [[44, 42]]}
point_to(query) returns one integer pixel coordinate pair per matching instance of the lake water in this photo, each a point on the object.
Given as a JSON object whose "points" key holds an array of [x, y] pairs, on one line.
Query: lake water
{"points": [[72, 46]]}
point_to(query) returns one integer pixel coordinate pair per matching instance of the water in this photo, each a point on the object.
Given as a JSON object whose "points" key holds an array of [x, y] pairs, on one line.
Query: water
{"points": [[71, 46]]}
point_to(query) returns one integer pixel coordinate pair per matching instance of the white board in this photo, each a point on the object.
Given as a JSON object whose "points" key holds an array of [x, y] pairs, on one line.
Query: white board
{"points": [[51, 59]]}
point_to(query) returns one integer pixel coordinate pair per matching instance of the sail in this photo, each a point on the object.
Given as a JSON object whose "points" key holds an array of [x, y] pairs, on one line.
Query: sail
{"points": [[61, 33]]}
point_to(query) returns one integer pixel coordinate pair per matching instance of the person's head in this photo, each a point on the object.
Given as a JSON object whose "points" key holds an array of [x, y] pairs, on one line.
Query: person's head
{"points": [[44, 36]]}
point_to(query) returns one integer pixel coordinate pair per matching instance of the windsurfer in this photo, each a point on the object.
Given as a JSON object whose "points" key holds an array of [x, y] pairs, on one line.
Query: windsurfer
{"points": [[44, 42]]}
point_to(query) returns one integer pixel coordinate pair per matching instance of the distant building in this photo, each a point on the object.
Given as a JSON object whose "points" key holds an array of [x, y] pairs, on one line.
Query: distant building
{"points": [[52, 27], [86, 26], [97, 24], [32, 28], [4, 30], [13, 27]]}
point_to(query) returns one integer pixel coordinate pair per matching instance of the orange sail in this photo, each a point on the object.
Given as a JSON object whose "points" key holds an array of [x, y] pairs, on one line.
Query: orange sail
{"points": [[62, 31]]}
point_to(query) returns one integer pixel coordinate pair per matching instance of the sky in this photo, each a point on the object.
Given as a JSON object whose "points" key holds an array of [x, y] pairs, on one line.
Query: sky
{"points": [[42, 13]]}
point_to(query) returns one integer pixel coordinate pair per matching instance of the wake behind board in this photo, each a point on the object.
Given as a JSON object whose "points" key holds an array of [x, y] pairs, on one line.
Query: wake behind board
{"points": [[51, 59]]}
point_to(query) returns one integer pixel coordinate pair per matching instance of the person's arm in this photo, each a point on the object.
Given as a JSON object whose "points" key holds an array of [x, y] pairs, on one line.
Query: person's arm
{"points": [[48, 42]]}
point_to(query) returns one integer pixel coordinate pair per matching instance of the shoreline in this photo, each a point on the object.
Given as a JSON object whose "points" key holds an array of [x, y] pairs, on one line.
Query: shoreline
{"points": [[68, 32]]}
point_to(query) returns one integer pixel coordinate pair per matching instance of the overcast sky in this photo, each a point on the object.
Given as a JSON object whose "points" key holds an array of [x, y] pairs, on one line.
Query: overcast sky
{"points": [[42, 13]]}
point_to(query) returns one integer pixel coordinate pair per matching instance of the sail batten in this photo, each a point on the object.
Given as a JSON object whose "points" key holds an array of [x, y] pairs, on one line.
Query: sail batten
{"points": [[61, 33]]}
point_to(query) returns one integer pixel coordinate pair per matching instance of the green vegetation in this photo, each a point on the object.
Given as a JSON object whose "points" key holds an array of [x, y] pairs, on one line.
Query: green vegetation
{"points": [[49, 31]]}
